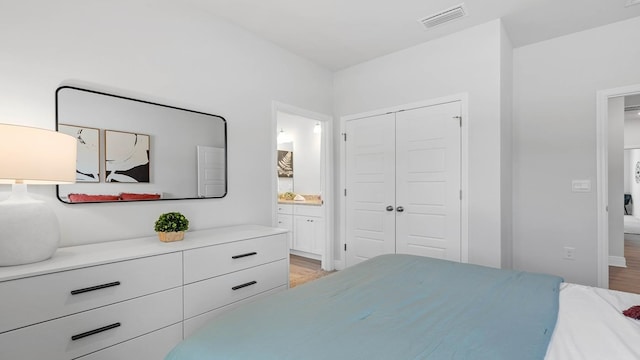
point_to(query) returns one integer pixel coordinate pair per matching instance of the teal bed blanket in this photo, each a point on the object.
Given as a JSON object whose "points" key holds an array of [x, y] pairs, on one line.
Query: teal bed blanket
{"points": [[390, 307]]}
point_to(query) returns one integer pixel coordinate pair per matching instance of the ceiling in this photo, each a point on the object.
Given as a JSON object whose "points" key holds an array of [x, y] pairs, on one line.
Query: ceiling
{"points": [[339, 33]]}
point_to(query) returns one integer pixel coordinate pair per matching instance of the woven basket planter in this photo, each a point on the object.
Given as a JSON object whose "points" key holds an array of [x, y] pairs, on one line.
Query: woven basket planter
{"points": [[171, 236]]}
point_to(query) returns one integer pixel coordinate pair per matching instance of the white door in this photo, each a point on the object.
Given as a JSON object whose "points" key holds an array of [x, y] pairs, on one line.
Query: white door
{"points": [[370, 175], [428, 181], [403, 184], [211, 171]]}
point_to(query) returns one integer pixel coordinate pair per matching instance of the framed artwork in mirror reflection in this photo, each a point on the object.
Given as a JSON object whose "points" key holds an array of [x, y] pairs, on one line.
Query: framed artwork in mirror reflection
{"points": [[127, 157], [285, 163], [88, 154]]}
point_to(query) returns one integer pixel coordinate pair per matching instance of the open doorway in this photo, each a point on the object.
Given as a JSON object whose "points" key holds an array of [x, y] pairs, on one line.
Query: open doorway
{"points": [[624, 251], [618, 156], [302, 182]]}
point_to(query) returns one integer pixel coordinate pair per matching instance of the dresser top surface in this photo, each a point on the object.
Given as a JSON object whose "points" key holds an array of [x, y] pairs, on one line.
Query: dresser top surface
{"points": [[74, 257]]}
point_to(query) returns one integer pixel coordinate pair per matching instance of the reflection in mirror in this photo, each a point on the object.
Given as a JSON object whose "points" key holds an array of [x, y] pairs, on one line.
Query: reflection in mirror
{"points": [[299, 158], [137, 150]]}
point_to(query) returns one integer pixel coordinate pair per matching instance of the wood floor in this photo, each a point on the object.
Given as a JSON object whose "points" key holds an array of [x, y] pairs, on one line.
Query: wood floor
{"points": [[627, 279], [302, 270]]}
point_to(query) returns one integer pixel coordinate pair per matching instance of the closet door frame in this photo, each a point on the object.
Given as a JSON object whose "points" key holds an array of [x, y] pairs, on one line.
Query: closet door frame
{"points": [[339, 261]]}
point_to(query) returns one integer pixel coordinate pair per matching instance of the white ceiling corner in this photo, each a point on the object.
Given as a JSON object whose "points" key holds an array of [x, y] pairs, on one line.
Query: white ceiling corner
{"points": [[337, 34]]}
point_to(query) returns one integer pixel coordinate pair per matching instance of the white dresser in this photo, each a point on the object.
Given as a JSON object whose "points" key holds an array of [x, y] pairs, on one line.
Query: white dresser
{"points": [[135, 299]]}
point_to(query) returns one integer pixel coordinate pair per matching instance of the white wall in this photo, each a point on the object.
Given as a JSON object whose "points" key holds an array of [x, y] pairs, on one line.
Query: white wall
{"points": [[468, 61], [506, 159], [554, 141], [169, 53], [616, 176]]}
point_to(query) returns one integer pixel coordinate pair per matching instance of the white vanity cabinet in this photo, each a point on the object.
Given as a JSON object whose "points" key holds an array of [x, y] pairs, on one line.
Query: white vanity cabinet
{"points": [[285, 220], [307, 225], [130, 298]]}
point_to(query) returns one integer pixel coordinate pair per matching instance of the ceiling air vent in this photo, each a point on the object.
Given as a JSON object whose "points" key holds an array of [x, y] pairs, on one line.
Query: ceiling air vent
{"points": [[632, 108], [443, 16]]}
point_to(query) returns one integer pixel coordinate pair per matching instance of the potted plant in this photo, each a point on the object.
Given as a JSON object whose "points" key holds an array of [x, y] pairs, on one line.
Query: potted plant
{"points": [[171, 226]]}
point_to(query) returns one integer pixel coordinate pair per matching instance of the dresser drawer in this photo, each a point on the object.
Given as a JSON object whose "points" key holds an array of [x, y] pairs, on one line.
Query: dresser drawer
{"points": [[207, 262], [31, 300], [53, 339], [153, 346], [197, 322], [213, 293], [285, 209]]}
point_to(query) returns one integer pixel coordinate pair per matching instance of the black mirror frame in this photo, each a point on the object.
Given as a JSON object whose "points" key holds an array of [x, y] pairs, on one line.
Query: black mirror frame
{"points": [[224, 122]]}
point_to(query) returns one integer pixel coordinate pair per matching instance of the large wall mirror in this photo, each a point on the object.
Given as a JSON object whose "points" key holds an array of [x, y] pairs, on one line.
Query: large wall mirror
{"points": [[132, 149]]}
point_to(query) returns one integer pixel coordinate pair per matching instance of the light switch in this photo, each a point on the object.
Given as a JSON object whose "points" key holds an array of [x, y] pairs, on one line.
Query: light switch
{"points": [[581, 185]]}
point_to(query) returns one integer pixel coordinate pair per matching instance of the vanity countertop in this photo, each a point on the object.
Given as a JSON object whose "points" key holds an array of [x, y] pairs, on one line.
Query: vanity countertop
{"points": [[308, 200], [316, 202]]}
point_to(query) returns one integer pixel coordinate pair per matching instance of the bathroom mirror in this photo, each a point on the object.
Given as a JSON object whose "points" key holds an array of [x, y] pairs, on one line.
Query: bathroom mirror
{"points": [[132, 150]]}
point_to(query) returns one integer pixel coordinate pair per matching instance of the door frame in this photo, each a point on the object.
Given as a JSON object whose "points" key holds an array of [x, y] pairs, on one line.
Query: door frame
{"points": [[602, 170], [326, 172], [463, 98]]}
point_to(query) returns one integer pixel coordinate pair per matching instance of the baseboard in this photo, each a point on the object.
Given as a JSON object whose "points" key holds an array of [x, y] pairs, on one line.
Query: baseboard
{"points": [[629, 236], [306, 254], [617, 261]]}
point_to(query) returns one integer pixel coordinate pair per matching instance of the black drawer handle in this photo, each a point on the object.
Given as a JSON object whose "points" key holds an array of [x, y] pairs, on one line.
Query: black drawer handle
{"points": [[244, 285], [93, 288], [96, 331], [244, 255]]}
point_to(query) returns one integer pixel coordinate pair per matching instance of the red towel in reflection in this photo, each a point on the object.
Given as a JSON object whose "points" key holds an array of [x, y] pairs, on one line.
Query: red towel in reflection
{"points": [[633, 312], [134, 196]]}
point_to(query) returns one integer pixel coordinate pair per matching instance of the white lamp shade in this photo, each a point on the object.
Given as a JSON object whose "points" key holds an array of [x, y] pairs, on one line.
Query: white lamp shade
{"points": [[36, 156]]}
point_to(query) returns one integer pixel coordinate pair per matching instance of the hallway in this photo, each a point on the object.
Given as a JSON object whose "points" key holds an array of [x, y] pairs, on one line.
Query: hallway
{"points": [[627, 279]]}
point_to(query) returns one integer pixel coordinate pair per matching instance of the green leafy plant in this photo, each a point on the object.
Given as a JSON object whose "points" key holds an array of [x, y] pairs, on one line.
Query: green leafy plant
{"points": [[171, 222]]}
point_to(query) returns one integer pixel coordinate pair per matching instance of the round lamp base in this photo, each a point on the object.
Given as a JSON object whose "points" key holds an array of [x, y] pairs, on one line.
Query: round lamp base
{"points": [[29, 231]]}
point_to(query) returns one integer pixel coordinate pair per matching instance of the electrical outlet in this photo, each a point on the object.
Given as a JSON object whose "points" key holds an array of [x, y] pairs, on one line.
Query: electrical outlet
{"points": [[569, 253]]}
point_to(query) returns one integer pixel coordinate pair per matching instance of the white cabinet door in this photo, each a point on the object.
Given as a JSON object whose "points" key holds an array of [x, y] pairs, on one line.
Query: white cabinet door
{"points": [[319, 235], [285, 221], [308, 234], [428, 181], [370, 179]]}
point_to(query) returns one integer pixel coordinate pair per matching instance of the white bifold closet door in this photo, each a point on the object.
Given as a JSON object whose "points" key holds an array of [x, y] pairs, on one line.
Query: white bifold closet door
{"points": [[403, 184]]}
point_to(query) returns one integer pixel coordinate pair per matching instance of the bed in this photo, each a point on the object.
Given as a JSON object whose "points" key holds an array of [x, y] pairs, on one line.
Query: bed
{"points": [[410, 307]]}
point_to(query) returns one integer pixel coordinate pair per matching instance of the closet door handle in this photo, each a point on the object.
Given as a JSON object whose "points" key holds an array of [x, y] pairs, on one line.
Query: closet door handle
{"points": [[244, 255], [399, 209], [95, 331], [237, 287], [389, 208], [93, 288]]}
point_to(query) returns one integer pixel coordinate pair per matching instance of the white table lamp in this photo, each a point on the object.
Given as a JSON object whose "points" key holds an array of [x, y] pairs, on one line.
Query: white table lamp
{"points": [[29, 229]]}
